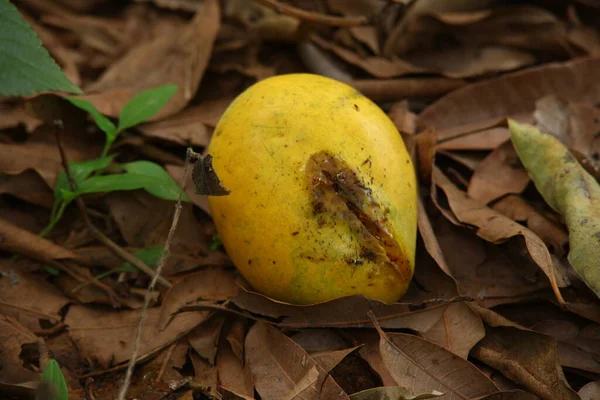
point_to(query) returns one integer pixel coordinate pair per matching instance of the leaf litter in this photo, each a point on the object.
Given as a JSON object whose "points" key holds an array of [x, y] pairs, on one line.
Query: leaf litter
{"points": [[502, 304]]}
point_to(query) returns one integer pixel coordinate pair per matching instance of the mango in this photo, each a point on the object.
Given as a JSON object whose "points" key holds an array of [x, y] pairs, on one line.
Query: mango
{"points": [[323, 192]]}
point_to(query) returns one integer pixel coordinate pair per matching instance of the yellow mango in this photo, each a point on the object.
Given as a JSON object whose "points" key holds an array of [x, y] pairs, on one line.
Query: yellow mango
{"points": [[323, 192]]}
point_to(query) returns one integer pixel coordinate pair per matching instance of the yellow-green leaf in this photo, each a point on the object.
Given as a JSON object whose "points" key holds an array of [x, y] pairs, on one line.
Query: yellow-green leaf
{"points": [[568, 189]]}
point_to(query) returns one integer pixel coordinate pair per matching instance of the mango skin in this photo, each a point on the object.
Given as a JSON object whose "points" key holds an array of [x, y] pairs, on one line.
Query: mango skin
{"points": [[261, 149]]}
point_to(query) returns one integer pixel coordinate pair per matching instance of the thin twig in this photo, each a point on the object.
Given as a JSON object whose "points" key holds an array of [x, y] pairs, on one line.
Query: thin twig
{"points": [[314, 17], [161, 264], [98, 234]]}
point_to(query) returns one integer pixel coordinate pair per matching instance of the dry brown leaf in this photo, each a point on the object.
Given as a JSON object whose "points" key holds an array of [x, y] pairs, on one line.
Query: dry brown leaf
{"points": [[28, 298], [429, 239], [177, 57], [423, 366], [574, 124], [426, 143], [319, 340], [379, 67], [131, 210], [13, 336], [234, 375], [344, 312], [499, 174], [369, 351], [590, 391], [496, 228], [517, 209], [20, 241], [468, 62], [513, 95], [458, 330], [487, 139], [105, 337], [282, 370], [28, 186], [206, 377], [204, 338], [212, 284], [16, 380], [525, 357], [393, 90], [330, 359], [486, 272]]}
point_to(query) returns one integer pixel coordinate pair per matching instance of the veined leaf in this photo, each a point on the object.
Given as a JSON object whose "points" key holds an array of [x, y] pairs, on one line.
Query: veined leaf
{"points": [[105, 124], [26, 67], [144, 105], [570, 190], [80, 171]]}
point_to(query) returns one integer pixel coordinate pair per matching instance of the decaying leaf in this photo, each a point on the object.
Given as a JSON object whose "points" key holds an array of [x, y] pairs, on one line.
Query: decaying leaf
{"points": [[393, 392], [526, 357], [424, 366], [206, 180], [282, 370], [570, 190]]}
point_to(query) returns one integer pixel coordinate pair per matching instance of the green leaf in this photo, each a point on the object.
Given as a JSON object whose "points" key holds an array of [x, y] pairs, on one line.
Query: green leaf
{"points": [[150, 256], [140, 175], [570, 190], [105, 124], [26, 67], [144, 105], [53, 376], [80, 171]]}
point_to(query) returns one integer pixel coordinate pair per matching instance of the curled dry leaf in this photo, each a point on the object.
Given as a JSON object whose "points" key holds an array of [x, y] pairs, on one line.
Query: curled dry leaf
{"points": [[204, 338], [212, 284], [517, 209], [500, 173], [424, 366], [486, 139], [234, 374], [281, 369], [570, 190], [28, 298], [526, 357], [393, 392], [14, 336], [484, 104], [105, 337], [177, 57], [495, 228], [344, 312], [429, 238], [590, 391]]}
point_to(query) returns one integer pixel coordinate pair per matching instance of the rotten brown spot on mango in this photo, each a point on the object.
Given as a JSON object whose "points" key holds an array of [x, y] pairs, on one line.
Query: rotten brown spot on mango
{"points": [[338, 194]]}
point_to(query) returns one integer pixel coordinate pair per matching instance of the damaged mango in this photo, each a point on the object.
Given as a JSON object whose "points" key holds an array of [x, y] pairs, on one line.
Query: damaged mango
{"points": [[323, 192]]}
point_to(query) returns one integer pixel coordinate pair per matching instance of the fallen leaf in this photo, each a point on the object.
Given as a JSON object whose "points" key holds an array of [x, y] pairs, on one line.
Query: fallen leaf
{"points": [[458, 330], [206, 377], [393, 392], [177, 57], [235, 376], [14, 336], [28, 186], [486, 139], [496, 228], [212, 284], [319, 340], [28, 298], [16, 380], [424, 367], [590, 391], [429, 238], [517, 209], [105, 337], [204, 338], [574, 124], [525, 357], [486, 103], [330, 359], [369, 351], [570, 190], [343, 312], [282, 370], [499, 174]]}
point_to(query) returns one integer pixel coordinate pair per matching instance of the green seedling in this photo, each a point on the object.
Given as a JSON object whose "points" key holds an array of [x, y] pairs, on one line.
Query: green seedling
{"points": [[89, 176], [53, 385]]}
